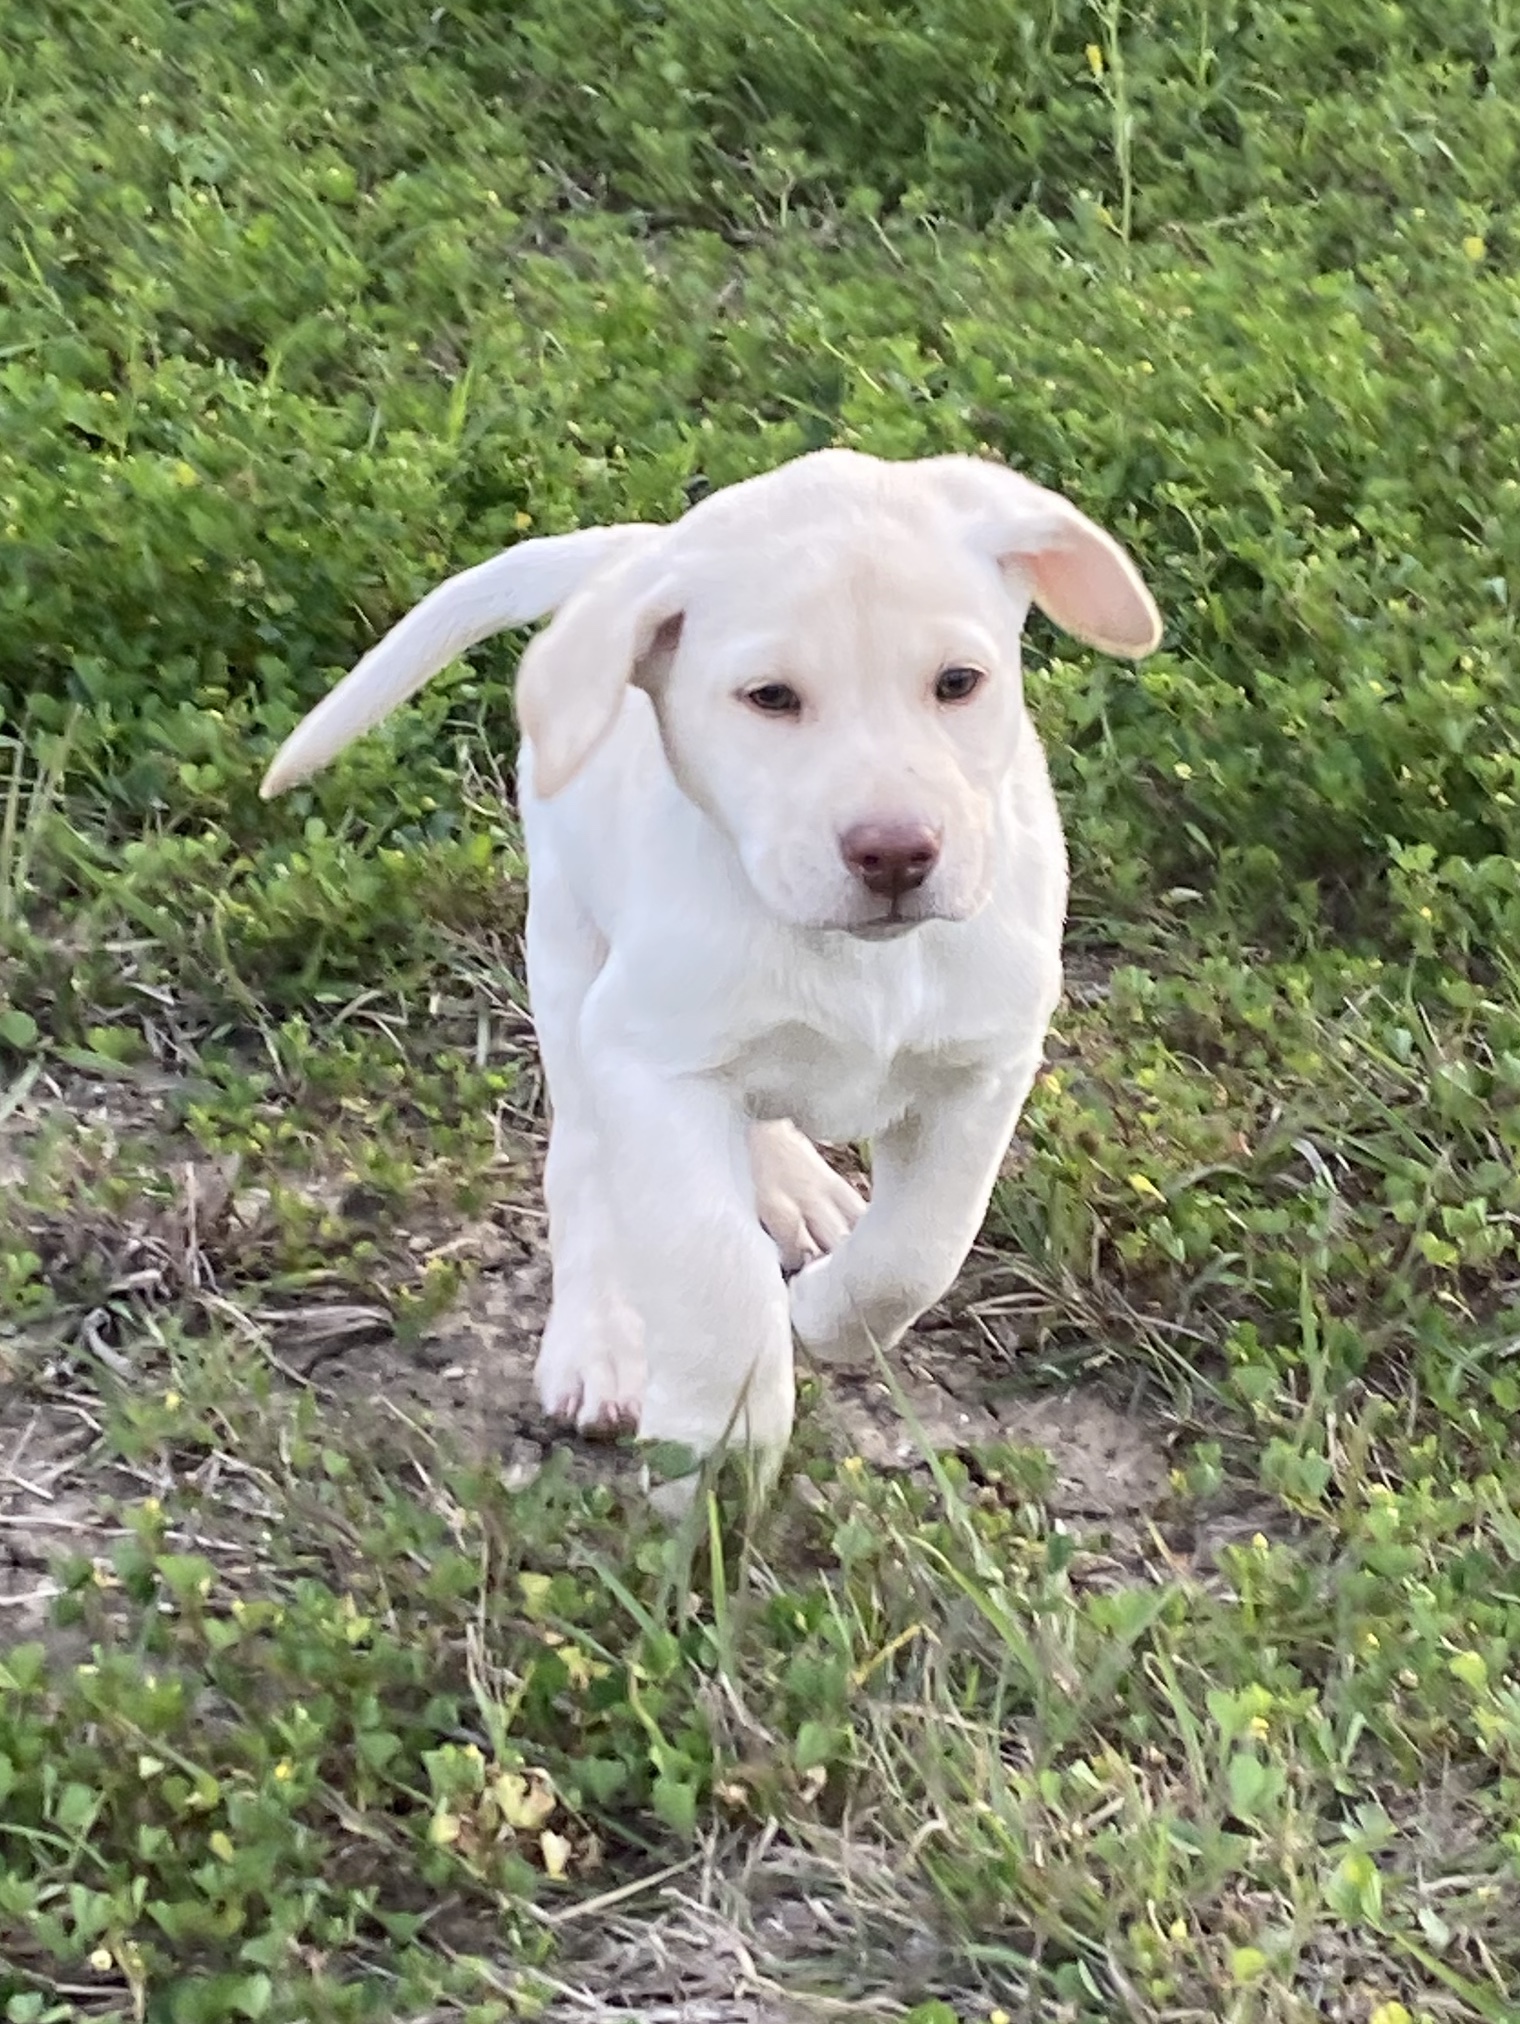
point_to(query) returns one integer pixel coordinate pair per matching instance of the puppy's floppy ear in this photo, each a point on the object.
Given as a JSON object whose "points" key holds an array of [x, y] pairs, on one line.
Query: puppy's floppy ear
{"points": [[529, 579], [619, 629], [1081, 577]]}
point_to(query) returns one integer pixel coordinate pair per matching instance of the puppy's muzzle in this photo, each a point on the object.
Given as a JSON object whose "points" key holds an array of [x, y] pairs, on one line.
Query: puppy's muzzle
{"points": [[891, 859]]}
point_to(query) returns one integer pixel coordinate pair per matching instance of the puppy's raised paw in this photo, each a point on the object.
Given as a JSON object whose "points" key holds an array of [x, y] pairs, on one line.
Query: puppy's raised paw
{"points": [[805, 1208]]}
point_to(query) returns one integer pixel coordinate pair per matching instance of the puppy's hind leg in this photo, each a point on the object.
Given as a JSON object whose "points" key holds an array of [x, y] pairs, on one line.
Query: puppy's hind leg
{"points": [[590, 1368]]}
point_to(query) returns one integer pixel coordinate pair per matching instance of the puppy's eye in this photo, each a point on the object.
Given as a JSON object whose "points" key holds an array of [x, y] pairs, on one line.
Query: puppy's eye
{"points": [[774, 699], [956, 684]]}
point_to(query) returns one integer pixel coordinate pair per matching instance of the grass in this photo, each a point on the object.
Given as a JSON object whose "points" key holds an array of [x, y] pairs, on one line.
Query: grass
{"points": [[1143, 1644]]}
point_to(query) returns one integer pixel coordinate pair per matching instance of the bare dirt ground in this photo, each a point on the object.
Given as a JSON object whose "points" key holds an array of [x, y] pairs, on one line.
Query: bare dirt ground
{"points": [[954, 1387], [472, 1373]]}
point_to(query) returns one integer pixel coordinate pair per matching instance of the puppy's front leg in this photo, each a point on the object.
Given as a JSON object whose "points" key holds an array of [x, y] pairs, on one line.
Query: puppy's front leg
{"points": [[931, 1180], [695, 1261]]}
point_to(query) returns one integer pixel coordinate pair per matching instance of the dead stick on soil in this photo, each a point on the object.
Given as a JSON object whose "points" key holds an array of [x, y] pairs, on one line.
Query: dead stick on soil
{"points": [[590, 1906]]}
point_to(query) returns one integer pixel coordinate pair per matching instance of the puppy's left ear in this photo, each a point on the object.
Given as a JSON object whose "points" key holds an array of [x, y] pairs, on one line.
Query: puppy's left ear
{"points": [[619, 629], [1080, 576]]}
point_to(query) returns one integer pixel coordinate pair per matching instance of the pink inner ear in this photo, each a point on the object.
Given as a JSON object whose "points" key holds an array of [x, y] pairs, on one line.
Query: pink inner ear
{"points": [[1092, 590], [652, 661]]}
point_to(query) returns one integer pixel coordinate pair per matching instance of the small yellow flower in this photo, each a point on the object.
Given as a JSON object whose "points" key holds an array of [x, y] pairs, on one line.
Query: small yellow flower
{"points": [[1389, 2013], [525, 1802], [1095, 59], [186, 474], [1259, 1727], [1474, 246], [535, 1592], [172, 1401], [522, 522], [101, 1961], [852, 1465], [1145, 1187], [1182, 770], [284, 1771], [581, 1668]]}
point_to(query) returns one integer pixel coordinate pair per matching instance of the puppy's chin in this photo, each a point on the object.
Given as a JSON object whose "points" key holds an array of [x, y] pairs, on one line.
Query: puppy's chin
{"points": [[889, 930]]}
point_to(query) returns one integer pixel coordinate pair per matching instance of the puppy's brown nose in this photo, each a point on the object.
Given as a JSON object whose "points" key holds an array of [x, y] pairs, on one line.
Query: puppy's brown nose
{"points": [[890, 858]]}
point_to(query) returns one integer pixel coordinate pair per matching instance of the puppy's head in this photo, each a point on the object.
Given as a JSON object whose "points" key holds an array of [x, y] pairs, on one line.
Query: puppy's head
{"points": [[833, 655]]}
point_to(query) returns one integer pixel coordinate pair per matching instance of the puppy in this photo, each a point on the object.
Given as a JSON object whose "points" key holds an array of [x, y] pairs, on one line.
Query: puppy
{"points": [[796, 874]]}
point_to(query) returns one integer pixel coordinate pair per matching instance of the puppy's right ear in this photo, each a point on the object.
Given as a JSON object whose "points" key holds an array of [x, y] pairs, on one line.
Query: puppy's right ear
{"points": [[618, 630]]}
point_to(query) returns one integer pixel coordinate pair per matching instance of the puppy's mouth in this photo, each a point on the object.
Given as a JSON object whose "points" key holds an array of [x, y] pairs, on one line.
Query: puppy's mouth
{"points": [[886, 927], [913, 910]]}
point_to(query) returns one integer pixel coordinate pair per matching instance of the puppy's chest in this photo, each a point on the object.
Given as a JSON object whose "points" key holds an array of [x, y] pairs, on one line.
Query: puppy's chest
{"points": [[847, 1056], [845, 1084]]}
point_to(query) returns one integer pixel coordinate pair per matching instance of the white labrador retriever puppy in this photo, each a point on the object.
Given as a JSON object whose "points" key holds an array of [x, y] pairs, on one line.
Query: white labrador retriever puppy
{"points": [[796, 874]]}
